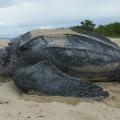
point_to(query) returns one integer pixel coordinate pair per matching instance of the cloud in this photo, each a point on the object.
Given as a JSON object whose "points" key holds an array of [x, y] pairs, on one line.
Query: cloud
{"points": [[23, 15], [4, 3]]}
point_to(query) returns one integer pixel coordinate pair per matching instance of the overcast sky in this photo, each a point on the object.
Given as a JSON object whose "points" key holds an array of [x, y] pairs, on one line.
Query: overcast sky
{"points": [[19, 16]]}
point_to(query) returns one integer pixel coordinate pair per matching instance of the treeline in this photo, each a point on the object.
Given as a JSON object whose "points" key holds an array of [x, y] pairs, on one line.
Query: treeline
{"points": [[110, 30]]}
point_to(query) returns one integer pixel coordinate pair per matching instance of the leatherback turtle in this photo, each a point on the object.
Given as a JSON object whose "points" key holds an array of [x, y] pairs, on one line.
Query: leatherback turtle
{"points": [[61, 64]]}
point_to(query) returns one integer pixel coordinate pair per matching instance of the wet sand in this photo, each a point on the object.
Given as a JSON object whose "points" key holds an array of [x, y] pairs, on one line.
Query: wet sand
{"points": [[15, 105]]}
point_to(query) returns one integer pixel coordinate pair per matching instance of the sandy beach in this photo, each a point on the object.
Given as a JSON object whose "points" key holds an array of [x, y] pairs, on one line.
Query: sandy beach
{"points": [[15, 105]]}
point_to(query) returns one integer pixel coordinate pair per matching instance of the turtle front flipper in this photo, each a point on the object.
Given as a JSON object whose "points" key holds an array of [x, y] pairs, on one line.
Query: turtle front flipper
{"points": [[47, 79]]}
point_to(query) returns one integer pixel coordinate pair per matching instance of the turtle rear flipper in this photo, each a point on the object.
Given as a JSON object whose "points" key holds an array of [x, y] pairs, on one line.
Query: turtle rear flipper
{"points": [[47, 79]]}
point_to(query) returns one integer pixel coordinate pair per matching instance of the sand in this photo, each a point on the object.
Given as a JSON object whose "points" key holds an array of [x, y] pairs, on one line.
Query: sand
{"points": [[3, 42], [116, 40], [15, 105]]}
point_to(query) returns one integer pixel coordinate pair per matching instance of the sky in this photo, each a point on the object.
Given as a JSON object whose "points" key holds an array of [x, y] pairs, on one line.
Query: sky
{"points": [[20, 16]]}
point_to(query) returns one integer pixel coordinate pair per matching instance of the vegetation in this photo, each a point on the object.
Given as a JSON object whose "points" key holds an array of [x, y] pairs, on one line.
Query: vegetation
{"points": [[86, 25], [110, 30]]}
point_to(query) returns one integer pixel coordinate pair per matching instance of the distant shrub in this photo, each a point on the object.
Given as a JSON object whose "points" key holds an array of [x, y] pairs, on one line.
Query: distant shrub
{"points": [[112, 29], [85, 25]]}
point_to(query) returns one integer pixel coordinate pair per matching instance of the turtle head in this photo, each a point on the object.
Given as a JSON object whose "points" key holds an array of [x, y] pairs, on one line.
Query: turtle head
{"points": [[4, 60]]}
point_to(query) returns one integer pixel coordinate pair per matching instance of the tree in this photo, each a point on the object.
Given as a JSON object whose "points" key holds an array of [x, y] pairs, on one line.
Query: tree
{"points": [[112, 29], [87, 25]]}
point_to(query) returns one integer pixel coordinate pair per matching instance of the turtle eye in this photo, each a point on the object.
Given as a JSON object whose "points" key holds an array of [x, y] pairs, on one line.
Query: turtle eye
{"points": [[10, 43]]}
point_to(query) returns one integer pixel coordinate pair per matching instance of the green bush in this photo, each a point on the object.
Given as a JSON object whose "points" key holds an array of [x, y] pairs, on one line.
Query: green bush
{"points": [[86, 25], [110, 30]]}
